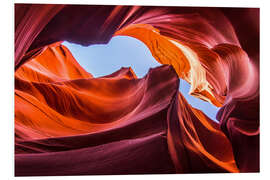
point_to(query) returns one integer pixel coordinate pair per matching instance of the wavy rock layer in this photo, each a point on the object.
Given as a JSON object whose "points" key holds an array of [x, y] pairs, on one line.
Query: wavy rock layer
{"points": [[216, 50], [116, 124]]}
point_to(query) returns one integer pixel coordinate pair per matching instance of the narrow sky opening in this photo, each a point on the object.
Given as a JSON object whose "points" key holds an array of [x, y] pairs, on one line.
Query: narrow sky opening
{"points": [[122, 51]]}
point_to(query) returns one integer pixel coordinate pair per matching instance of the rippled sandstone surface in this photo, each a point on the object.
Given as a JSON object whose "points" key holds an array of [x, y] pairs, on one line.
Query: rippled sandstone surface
{"points": [[69, 123]]}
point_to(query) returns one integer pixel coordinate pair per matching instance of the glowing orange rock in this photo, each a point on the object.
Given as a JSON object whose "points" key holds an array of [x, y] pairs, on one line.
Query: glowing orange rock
{"points": [[52, 105], [59, 106]]}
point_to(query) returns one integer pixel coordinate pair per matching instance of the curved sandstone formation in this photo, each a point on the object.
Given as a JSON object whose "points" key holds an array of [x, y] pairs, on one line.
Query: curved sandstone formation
{"points": [[119, 124]]}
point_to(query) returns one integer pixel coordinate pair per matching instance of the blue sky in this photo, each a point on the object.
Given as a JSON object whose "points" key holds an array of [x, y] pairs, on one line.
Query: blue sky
{"points": [[124, 51]]}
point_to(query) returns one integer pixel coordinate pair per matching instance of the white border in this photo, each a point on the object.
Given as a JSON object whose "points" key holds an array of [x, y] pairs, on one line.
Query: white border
{"points": [[202, 3]]}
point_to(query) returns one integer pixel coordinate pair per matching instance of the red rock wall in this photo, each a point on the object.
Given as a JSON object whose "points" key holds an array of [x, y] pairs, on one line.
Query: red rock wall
{"points": [[119, 124]]}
